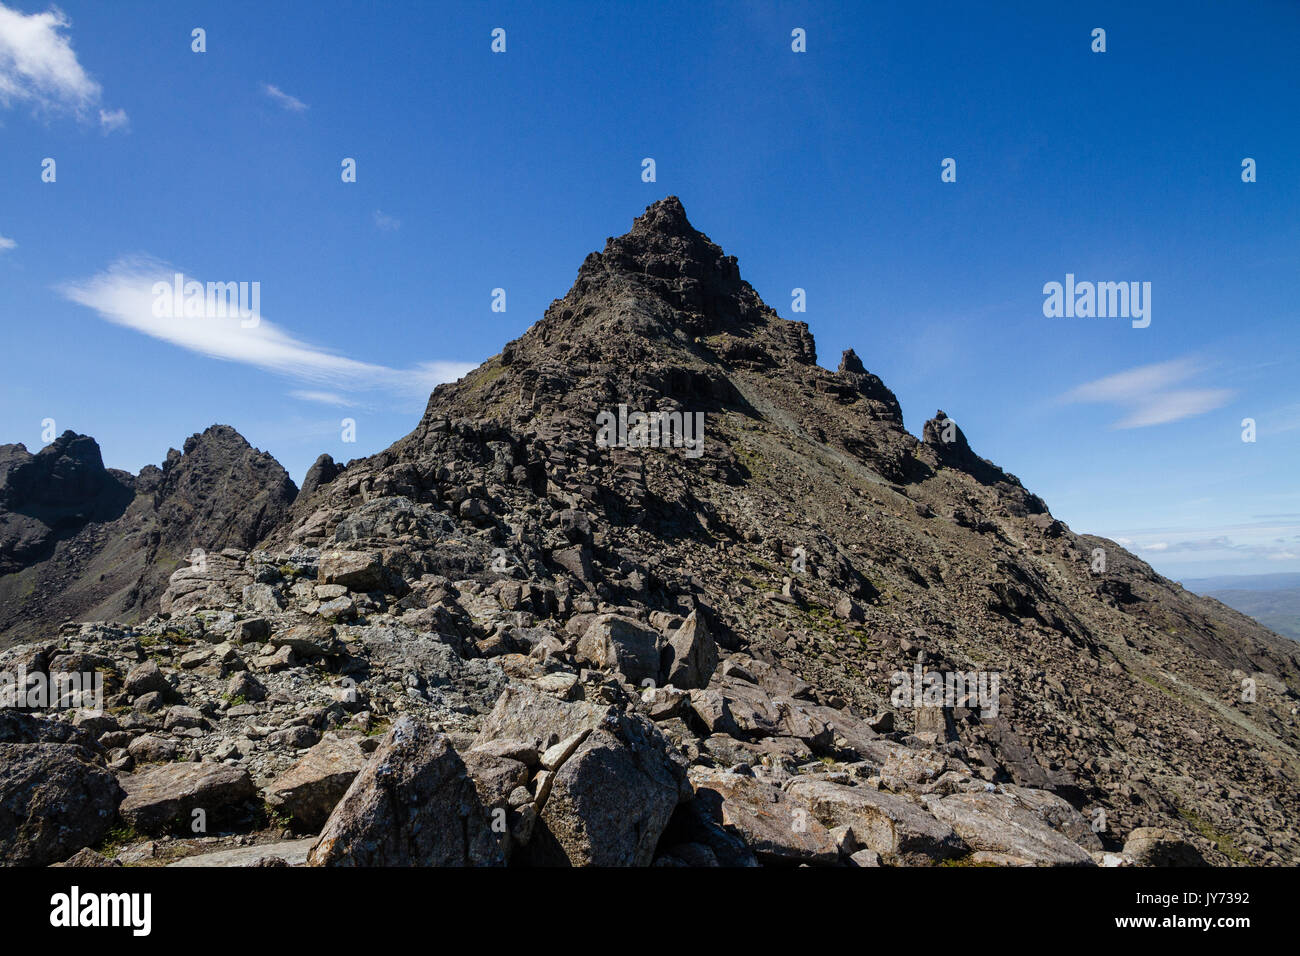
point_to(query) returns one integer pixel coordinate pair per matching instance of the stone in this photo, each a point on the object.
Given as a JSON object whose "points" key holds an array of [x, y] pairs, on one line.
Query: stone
{"points": [[412, 805], [293, 738], [526, 714], [55, 799], [778, 828], [691, 654], [519, 750], [151, 748], [307, 640], [146, 678], [1156, 846], [88, 858], [165, 797], [310, 789], [886, 823], [181, 717], [997, 823], [557, 754], [613, 642], [244, 686], [354, 570], [289, 852], [610, 801]]}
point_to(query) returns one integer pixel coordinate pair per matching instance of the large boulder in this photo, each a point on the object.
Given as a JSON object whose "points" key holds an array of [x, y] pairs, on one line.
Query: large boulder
{"points": [[619, 643], [525, 713], [611, 799], [412, 805], [310, 789], [166, 797], [777, 827], [1003, 830], [890, 825], [55, 799], [355, 570], [691, 655]]}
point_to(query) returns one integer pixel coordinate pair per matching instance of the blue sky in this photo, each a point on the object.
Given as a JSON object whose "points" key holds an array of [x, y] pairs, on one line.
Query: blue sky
{"points": [[818, 170]]}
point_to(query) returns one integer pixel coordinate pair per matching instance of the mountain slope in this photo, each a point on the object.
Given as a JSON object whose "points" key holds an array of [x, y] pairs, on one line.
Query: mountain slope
{"points": [[84, 542], [1119, 688], [830, 554]]}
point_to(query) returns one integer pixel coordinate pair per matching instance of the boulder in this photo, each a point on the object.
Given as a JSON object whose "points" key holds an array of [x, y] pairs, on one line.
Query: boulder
{"points": [[164, 797], [612, 798], [310, 789], [613, 642], [691, 655], [778, 828], [355, 570], [1155, 846], [891, 825], [996, 823], [412, 805], [55, 799], [531, 717], [146, 678]]}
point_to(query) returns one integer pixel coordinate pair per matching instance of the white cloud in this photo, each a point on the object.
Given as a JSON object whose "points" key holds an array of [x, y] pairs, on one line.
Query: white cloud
{"points": [[123, 295], [112, 120], [1149, 395], [39, 67], [324, 398], [386, 223], [6, 244], [290, 103], [1230, 542]]}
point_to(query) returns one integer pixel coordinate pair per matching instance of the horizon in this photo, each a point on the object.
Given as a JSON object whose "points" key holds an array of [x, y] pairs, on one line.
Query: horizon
{"points": [[478, 171]]}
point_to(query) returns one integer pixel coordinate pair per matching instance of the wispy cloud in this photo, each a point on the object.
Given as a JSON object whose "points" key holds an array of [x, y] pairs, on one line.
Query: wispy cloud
{"points": [[1152, 394], [324, 398], [290, 103], [113, 120], [386, 223], [123, 295], [38, 67], [1268, 540], [6, 244]]}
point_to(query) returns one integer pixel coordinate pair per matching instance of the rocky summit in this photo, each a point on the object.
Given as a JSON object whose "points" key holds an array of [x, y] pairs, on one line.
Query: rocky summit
{"points": [[649, 587]]}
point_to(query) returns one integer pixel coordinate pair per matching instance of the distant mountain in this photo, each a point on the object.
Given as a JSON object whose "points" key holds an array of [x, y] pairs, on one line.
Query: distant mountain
{"points": [[1271, 599], [81, 541]]}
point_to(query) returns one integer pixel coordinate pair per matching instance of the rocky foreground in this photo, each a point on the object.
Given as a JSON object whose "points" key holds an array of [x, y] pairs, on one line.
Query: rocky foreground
{"points": [[502, 642]]}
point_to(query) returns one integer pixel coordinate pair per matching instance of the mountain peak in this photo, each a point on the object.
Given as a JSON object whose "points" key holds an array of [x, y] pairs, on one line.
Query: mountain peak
{"points": [[667, 217]]}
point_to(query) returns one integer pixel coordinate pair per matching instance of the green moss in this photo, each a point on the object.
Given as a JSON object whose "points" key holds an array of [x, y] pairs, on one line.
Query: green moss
{"points": [[118, 839], [1222, 841], [967, 860]]}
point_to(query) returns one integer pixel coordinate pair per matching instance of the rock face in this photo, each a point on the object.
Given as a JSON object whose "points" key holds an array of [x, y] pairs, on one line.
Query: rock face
{"points": [[54, 800], [81, 541], [51, 495], [413, 805], [646, 644]]}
